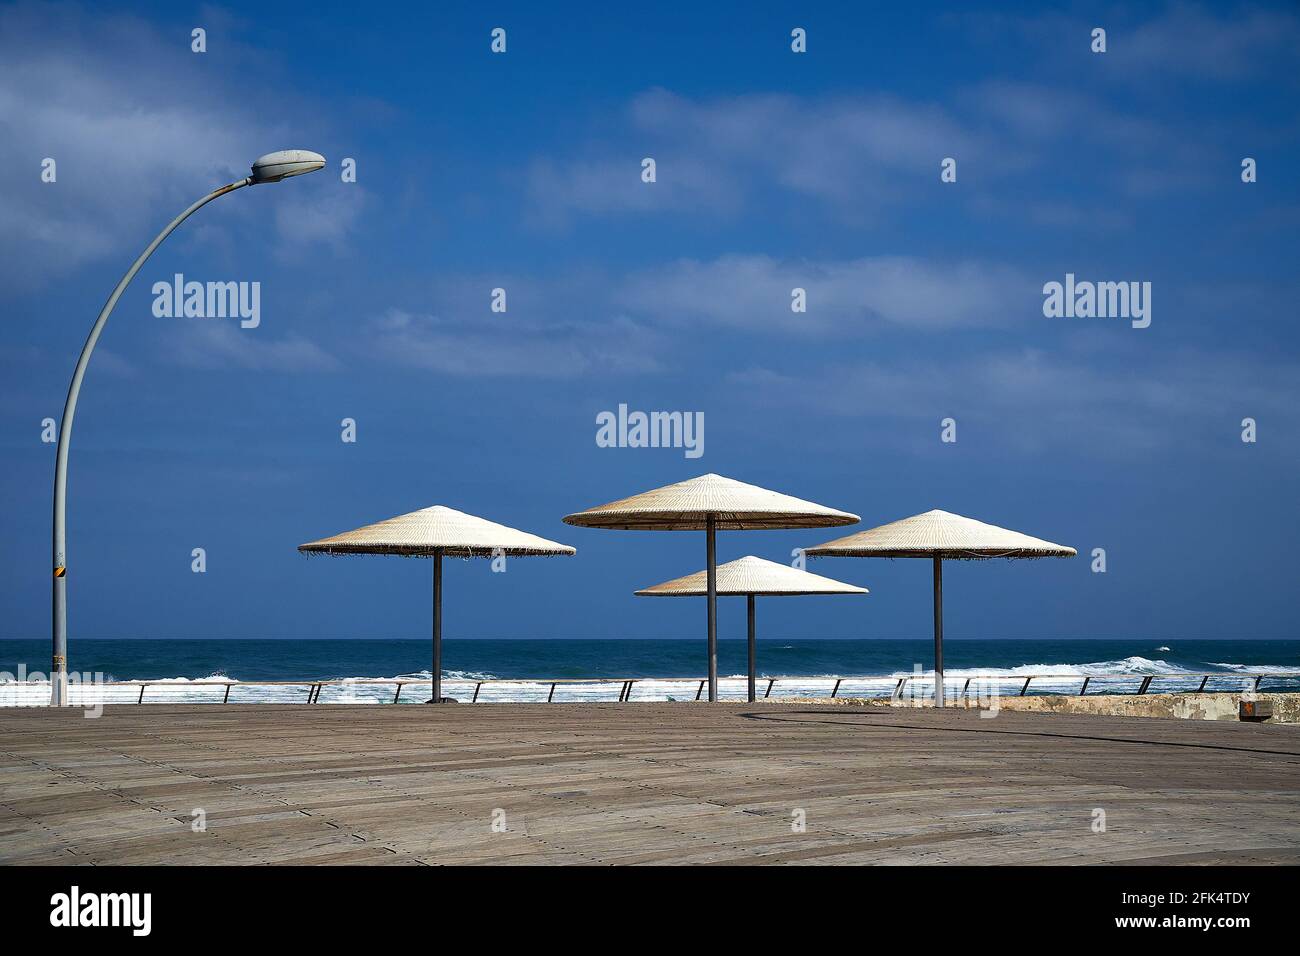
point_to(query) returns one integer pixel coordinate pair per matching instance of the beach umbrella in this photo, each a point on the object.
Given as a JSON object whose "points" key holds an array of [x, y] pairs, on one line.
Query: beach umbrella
{"points": [[752, 577], [434, 533], [710, 503], [938, 535]]}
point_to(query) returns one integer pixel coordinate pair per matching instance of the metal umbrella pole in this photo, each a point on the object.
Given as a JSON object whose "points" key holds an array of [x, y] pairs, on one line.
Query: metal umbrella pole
{"points": [[752, 654], [707, 503], [436, 673], [436, 532], [711, 532], [938, 632]]}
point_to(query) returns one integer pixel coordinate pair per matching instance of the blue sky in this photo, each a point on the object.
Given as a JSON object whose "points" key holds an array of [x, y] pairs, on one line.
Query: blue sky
{"points": [[774, 170]]}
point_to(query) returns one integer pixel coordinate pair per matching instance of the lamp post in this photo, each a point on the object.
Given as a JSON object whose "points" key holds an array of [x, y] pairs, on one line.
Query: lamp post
{"points": [[270, 168]]}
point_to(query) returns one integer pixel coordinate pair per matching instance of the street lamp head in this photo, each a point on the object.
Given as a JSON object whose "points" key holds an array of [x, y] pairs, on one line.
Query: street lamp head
{"points": [[276, 166]]}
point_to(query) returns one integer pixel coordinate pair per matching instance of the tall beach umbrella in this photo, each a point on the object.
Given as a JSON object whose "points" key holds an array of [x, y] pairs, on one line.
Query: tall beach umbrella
{"points": [[434, 533], [938, 535], [710, 503], [752, 577]]}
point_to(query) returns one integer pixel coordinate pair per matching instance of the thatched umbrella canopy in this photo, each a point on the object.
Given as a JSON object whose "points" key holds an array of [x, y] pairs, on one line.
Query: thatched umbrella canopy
{"points": [[433, 533], [938, 535], [709, 503], [752, 577]]}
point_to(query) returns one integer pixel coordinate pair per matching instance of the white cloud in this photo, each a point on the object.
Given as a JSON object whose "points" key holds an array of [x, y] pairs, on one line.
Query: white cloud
{"points": [[844, 297], [1173, 41], [505, 346], [139, 128], [861, 157], [849, 151], [633, 322], [316, 212], [1192, 41], [1125, 401], [218, 344], [613, 185]]}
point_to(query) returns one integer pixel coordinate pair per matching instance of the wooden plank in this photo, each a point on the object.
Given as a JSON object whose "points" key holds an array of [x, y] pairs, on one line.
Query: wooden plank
{"points": [[644, 783]]}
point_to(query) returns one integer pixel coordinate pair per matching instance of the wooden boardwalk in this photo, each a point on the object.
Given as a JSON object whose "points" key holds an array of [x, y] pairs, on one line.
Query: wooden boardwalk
{"points": [[639, 783]]}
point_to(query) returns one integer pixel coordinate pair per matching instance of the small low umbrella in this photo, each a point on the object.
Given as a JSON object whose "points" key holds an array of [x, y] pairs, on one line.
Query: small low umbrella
{"points": [[938, 535], [752, 577], [709, 503], [433, 533]]}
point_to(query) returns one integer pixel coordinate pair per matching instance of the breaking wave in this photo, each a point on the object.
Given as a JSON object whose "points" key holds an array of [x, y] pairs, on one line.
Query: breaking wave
{"points": [[1118, 676]]}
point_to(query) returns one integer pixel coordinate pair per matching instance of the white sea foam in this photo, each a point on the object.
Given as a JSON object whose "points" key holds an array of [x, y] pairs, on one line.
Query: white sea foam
{"points": [[211, 678], [1118, 676], [1136, 666], [1258, 668]]}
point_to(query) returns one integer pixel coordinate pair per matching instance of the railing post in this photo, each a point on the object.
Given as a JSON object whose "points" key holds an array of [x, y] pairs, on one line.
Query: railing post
{"points": [[315, 688]]}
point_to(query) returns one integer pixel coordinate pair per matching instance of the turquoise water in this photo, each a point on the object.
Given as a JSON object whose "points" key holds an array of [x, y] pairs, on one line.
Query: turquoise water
{"points": [[802, 666], [250, 660]]}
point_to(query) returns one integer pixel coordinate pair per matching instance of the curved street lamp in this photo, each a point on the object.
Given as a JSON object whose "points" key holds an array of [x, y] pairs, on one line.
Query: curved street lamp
{"points": [[270, 168]]}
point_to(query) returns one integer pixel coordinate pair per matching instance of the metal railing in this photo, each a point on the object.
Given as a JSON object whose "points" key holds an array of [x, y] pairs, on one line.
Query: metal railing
{"points": [[920, 685], [1253, 680]]}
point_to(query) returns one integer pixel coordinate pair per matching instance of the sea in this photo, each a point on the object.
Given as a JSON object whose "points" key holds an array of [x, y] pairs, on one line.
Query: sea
{"points": [[483, 671]]}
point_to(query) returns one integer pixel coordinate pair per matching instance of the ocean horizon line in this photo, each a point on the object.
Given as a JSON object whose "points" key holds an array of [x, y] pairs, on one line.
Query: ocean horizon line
{"points": [[739, 640]]}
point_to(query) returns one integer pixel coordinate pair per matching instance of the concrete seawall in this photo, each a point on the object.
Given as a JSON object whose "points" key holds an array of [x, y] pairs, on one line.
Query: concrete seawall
{"points": [[1286, 707]]}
